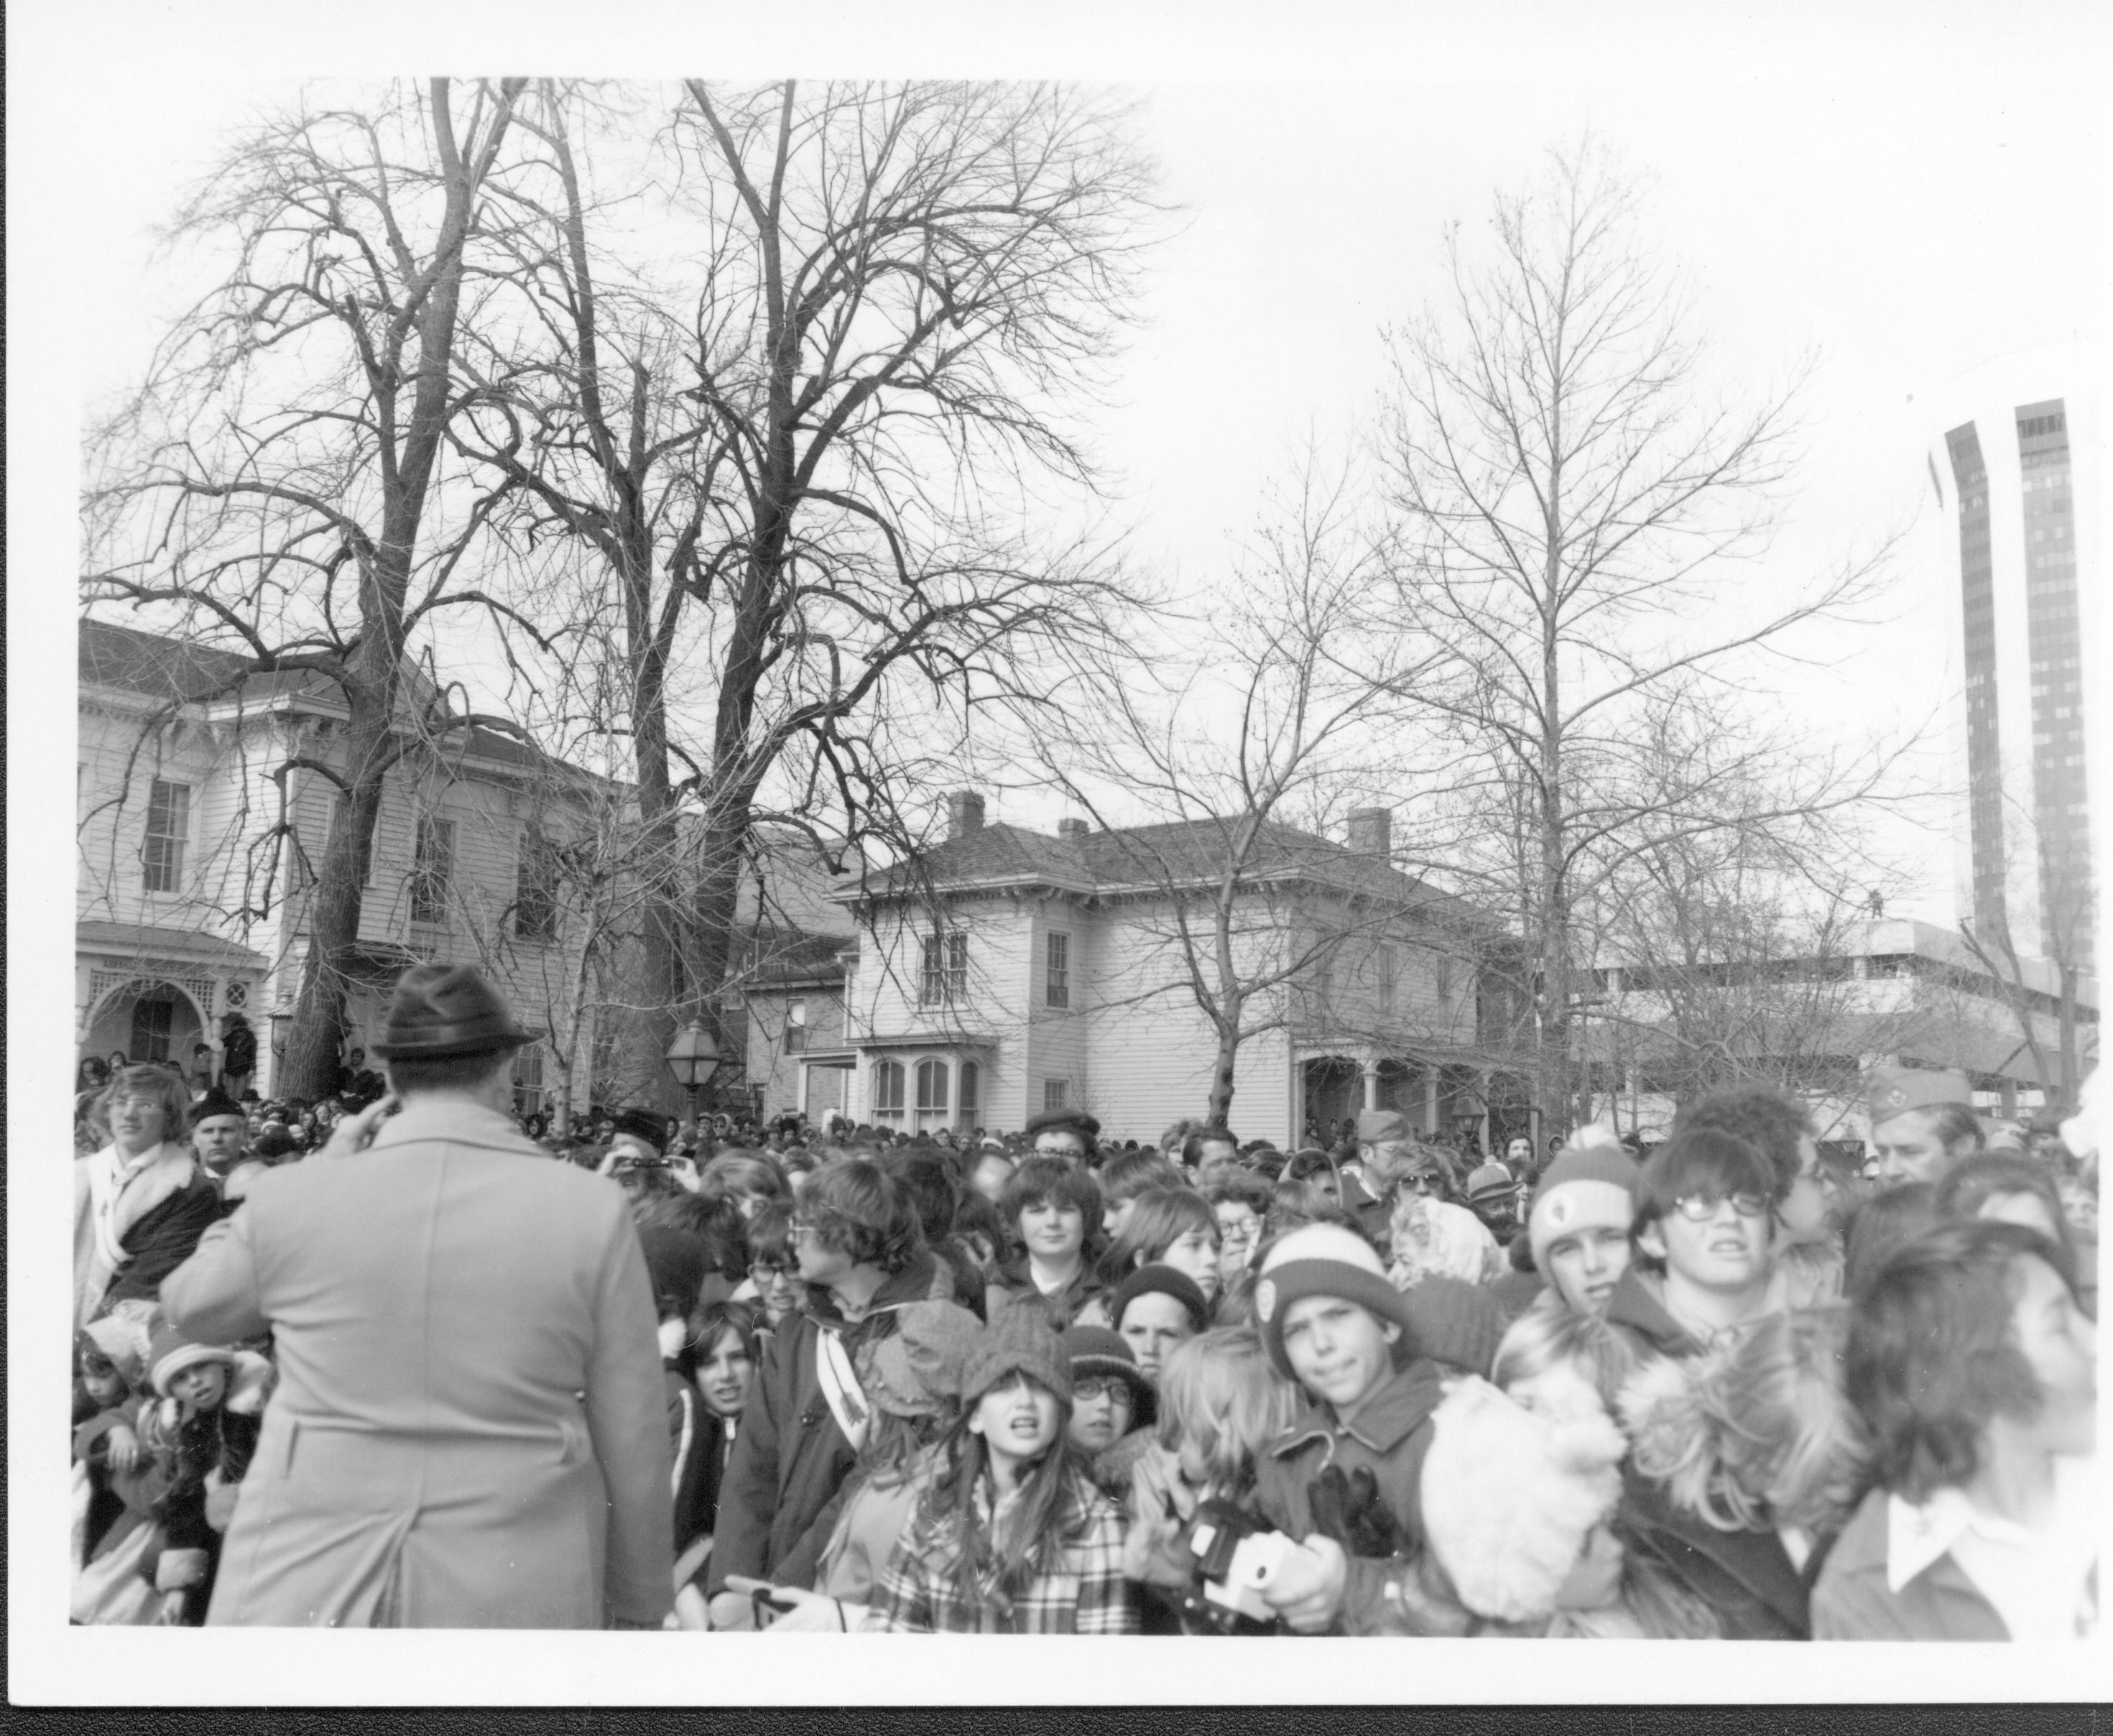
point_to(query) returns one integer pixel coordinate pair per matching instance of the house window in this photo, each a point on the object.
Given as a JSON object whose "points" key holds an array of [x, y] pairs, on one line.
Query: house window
{"points": [[1053, 1092], [528, 1079], [1385, 961], [168, 826], [888, 1090], [1058, 992], [536, 889], [931, 1092], [795, 1026], [1444, 983], [432, 865], [945, 979], [970, 1091]]}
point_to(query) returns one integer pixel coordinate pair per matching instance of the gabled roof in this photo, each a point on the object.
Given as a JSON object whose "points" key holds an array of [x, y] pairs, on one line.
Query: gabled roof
{"points": [[1145, 859]]}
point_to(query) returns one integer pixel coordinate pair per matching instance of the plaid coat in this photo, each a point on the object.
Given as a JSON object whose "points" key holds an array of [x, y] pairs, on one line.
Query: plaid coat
{"points": [[1084, 1592]]}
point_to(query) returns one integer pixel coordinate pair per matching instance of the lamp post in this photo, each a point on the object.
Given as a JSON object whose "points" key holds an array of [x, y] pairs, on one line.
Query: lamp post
{"points": [[693, 1057]]}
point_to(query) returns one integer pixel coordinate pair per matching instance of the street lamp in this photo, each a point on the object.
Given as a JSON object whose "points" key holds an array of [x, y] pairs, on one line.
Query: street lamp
{"points": [[693, 1057]]}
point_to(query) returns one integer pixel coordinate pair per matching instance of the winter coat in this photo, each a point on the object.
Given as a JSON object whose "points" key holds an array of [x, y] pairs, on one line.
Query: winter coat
{"points": [[790, 1458], [1015, 1283], [161, 1213], [697, 1441], [470, 1428], [1852, 1601], [1388, 1437], [1745, 1577]]}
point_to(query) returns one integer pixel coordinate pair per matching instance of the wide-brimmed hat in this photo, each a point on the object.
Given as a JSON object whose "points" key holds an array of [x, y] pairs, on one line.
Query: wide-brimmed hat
{"points": [[442, 1011]]}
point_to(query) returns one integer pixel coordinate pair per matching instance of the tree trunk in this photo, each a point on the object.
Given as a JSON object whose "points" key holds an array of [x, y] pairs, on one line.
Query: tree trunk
{"points": [[375, 665], [308, 1069], [1218, 1111]]}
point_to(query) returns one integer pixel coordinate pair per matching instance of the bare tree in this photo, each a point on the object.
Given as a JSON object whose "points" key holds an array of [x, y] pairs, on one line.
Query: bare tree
{"points": [[807, 478], [1258, 749], [1580, 524], [272, 488]]}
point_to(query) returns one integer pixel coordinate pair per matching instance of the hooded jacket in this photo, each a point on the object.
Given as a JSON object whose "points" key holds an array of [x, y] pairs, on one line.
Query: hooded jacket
{"points": [[779, 1501], [1388, 1437]]}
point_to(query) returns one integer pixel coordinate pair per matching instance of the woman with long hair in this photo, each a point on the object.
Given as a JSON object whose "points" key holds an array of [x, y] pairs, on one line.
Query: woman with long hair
{"points": [[1011, 1537]]}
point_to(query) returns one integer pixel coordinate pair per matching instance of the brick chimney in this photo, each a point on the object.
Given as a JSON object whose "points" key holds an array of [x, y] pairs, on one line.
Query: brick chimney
{"points": [[965, 813], [1069, 827], [1371, 832]]}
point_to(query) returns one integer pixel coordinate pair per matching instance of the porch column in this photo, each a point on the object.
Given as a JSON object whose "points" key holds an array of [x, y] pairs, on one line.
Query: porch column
{"points": [[1482, 1136], [1369, 1074], [1430, 1100]]}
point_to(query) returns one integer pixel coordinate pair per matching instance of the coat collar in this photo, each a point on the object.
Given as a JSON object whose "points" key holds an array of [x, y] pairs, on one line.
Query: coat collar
{"points": [[1635, 1304], [1394, 1412], [919, 1282], [451, 1118]]}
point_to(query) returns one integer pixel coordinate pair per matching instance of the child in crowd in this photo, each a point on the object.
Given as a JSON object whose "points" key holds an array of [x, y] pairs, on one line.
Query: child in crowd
{"points": [[203, 1433], [913, 1379], [1054, 1207], [1113, 1406], [1343, 1482], [1170, 1226], [1222, 1404], [1010, 1537], [774, 1269], [1155, 1308]]}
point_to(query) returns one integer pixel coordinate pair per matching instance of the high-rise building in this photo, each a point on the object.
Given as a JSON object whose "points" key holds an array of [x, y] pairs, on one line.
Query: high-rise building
{"points": [[2012, 507]]}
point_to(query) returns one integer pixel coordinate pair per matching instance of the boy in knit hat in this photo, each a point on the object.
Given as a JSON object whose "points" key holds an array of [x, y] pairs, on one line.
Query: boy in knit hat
{"points": [[1578, 1224], [1153, 1309], [1343, 1483]]}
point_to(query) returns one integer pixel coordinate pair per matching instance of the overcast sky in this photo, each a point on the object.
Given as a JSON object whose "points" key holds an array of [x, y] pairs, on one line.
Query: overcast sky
{"points": [[1908, 193]]}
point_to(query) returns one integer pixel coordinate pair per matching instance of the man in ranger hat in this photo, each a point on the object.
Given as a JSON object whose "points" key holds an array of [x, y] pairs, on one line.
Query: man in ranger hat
{"points": [[1923, 1123], [470, 1429]]}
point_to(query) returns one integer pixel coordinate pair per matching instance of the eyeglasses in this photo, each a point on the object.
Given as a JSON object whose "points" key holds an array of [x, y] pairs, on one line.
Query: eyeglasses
{"points": [[1425, 1182], [1701, 1208], [1113, 1387]]}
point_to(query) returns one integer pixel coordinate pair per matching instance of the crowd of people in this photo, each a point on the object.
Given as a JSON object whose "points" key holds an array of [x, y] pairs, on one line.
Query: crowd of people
{"points": [[371, 1362]]}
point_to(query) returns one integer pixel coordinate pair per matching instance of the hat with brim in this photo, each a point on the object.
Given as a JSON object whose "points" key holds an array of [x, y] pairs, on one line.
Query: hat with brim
{"points": [[1097, 1354], [1894, 1090], [170, 1352], [444, 1012], [1322, 1260]]}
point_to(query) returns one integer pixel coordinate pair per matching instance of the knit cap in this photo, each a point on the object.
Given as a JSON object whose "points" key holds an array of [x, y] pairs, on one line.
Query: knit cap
{"points": [[1585, 1186], [170, 1351], [1096, 1353], [1021, 1340], [1455, 1322], [916, 1369], [1167, 1283], [216, 1102], [1322, 1259]]}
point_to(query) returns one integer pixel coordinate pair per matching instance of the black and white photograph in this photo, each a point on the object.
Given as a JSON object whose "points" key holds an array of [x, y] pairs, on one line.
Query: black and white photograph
{"points": [[1140, 824]]}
